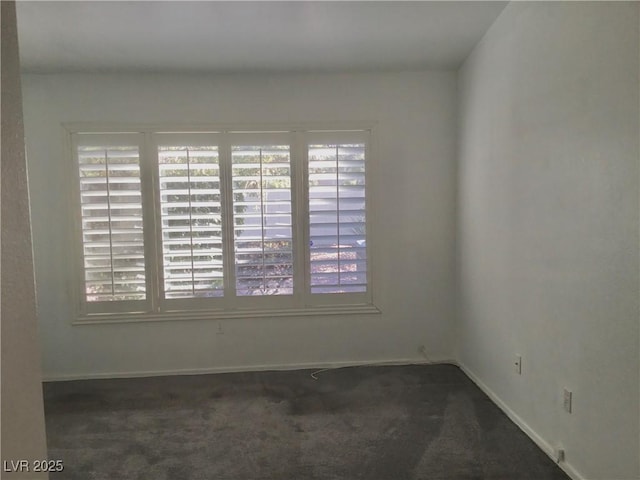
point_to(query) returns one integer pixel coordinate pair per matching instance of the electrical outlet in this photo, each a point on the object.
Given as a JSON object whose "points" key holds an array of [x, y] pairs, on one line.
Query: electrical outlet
{"points": [[568, 400], [518, 364], [558, 453]]}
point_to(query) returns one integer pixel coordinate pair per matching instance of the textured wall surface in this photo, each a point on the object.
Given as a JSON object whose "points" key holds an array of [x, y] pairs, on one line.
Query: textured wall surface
{"points": [[413, 193], [548, 225], [23, 436]]}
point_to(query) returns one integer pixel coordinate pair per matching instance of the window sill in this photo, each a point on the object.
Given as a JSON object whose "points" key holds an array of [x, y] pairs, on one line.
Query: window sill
{"points": [[99, 319]]}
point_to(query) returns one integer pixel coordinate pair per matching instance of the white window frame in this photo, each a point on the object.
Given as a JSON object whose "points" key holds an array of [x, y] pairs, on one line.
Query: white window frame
{"points": [[155, 307], [108, 139], [345, 137], [263, 138], [169, 139]]}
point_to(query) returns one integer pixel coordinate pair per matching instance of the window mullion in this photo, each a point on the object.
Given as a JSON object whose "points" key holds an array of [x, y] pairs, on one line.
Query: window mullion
{"points": [[228, 243], [302, 180], [298, 218], [369, 208], [153, 259], [79, 292]]}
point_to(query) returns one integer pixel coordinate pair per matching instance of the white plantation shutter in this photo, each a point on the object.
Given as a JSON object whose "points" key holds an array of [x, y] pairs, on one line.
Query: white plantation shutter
{"points": [[263, 238], [191, 221], [337, 218], [194, 223], [111, 221]]}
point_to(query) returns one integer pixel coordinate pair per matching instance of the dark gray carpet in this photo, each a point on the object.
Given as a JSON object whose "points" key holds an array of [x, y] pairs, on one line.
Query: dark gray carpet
{"points": [[371, 423]]}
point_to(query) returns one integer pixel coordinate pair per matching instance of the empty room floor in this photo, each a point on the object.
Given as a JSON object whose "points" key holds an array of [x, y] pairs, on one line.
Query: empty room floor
{"points": [[387, 423]]}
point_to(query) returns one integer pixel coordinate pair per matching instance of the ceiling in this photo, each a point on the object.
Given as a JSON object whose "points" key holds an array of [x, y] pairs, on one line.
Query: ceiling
{"points": [[154, 36]]}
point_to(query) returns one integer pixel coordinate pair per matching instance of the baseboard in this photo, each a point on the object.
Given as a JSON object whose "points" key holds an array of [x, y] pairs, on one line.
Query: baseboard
{"points": [[246, 368], [515, 418]]}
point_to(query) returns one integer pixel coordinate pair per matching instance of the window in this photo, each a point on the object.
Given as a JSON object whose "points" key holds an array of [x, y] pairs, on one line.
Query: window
{"points": [[190, 211], [262, 226], [114, 267], [337, 218], [219, 222]]}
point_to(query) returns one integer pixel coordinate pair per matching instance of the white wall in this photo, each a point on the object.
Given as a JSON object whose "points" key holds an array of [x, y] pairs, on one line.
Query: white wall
{"points": [[414, 200], [22, 412], [548, 226]]}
